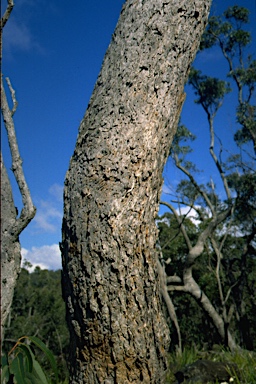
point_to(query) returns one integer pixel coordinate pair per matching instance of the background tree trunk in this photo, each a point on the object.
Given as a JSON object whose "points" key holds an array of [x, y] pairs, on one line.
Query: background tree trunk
{"points": [[112, 189], [10, 248]]}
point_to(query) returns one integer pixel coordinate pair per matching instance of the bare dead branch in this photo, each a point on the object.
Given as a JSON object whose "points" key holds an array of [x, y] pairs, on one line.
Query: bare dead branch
{"points": [[197, 249], [192, 206], [12, 91], [173, 279], [7, 13], [217, 274], [180, 288], [28, 210]]}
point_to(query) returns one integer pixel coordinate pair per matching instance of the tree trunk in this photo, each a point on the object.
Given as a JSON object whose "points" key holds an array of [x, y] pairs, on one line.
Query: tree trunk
{"points": [[10, 248], [169, 304], [193, 288], [112, 189]]}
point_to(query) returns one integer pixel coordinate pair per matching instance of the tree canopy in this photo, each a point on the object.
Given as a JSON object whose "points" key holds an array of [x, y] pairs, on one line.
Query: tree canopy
{"points": [[215, 262]]}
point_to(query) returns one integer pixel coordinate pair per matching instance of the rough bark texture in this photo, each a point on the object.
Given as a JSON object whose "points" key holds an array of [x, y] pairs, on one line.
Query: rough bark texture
{"points": [[10, 248], [112, 190]]}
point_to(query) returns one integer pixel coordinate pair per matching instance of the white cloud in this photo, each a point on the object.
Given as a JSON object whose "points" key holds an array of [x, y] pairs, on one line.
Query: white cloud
{"points": [[46, 257], [190, 213], [48, 217], [166, 189], [49, 212], [18, 36], [56, 190]]}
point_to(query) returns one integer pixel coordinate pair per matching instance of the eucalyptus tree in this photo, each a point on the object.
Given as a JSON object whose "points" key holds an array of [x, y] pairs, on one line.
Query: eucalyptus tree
{"points": [[229, 34], [110, 282], [231, 217], [12, 224]]}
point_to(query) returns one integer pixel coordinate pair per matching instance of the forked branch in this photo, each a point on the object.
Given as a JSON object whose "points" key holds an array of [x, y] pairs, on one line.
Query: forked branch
{"points": [[28, 210]]}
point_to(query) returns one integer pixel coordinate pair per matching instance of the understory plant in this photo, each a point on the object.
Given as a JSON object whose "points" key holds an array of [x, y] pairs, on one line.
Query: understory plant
{"points": [[21, 366]]}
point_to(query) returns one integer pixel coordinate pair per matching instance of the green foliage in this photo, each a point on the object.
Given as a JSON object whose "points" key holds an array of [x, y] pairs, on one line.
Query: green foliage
{"points": [[246, 117], [210, 90], [238, 14], [183, 135], [226, 269], [228, 33], [39, 310], [21, 366], [247, 77], [245, 187]]}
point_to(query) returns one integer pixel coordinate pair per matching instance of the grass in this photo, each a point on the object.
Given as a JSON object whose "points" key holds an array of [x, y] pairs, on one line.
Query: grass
{"points": [[245, 360]]}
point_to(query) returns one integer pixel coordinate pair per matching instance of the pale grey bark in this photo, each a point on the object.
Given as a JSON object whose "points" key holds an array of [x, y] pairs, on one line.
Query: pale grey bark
{"points": [[6, 15], [169, 303], [111, 196], [11, 224], [10, 248]]}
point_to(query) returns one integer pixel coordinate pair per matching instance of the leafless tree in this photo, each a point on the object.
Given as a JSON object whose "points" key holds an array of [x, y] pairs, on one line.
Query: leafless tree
{"points": [[11, 224]]}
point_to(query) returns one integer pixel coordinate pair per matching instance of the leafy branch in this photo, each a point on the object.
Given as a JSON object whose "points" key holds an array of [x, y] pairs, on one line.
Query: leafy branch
{"points": [[21, 365], [218, 216]]}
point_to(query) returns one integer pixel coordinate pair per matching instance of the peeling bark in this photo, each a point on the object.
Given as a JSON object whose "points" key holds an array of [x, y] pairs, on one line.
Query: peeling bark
{"points": [[111, 196]]}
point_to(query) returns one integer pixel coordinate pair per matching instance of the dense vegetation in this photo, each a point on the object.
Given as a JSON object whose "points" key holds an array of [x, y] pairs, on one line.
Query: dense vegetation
{"points": [[207, 240], [39, 310], [196, 327]]}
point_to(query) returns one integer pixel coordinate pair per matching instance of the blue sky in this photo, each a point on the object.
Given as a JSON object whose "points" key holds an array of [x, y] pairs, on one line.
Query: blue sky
{"points": [[52, 52]]}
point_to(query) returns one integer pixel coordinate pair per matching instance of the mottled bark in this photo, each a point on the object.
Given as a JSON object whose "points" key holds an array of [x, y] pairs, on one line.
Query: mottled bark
{"points": [[110, 280]]}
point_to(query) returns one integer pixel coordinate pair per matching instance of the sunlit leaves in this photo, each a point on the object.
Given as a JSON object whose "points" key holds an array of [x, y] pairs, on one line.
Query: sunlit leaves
{"points": [[237, 14], [246, 116], [228, 33], [229, 247], [237, 39], [183, 135], [210, 90], [246, 76]]}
